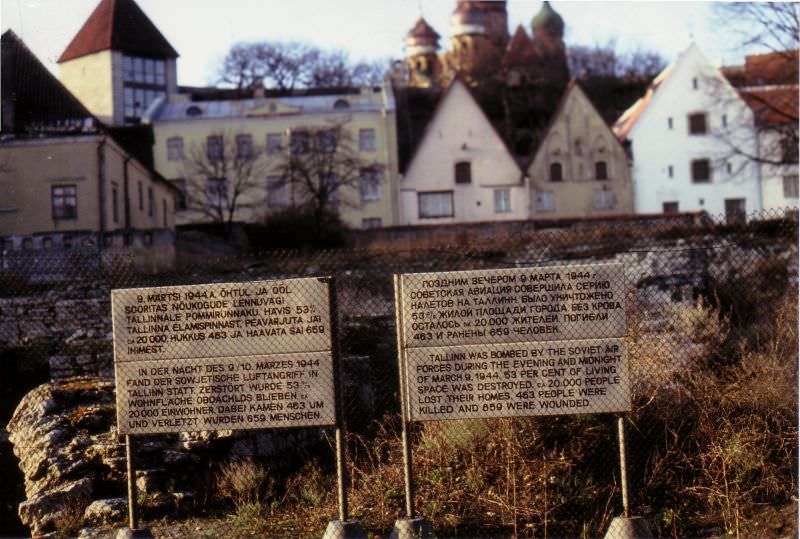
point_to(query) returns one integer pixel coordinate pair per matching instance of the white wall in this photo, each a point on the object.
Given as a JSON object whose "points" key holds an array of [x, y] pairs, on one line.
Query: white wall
{"points": [[459, 131], [656, 147]]}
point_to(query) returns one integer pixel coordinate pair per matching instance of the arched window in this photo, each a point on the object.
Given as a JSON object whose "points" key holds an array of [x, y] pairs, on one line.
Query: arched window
{"points": [[341, 104], [600, 170], [556, 172]]}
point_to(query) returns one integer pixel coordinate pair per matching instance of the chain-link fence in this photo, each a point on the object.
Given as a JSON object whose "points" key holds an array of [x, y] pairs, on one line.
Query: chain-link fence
{"points": [[516, 357]]}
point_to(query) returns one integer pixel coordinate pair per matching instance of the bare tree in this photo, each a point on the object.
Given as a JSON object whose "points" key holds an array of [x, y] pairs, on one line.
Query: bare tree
{"points": [[287, 65], [606, 61], [325, 170], [224, 179], [769, 85], [762, 25]]}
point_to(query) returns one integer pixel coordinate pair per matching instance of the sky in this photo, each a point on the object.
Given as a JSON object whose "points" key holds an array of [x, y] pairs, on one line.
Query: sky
{"points": [[202, 31]]}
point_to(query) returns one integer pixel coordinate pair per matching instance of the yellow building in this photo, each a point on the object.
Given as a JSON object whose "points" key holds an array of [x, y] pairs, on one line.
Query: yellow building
{"points": [[580, 168], [202, 146], [67, 184]]}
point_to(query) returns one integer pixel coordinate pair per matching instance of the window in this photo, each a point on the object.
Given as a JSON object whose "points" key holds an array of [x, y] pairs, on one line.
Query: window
{"points": [[701, 171], [217, 193], [435, 204], [697, 124], [366, 140], [115, 202], [463, 172], [27, 244], [299, 142], [603, 199], [151, 202], [341, 104], [670, 207], [556, 172], [147, 238], [371, 222], [214, 148], [669, 123], [502, 200], [326, 140], [790, 186], [66, 241], [180, 200], [671, 171], [175, 149], [274, 143], [144, 80], [244, 147], [724, 120], [545, 201], [164, 212], [600, 170], [141, 197], [65, 201], [47, 243], [370, 183], [735, 210], [695, 84], [728, 167], [277, 192], [578, 147]]}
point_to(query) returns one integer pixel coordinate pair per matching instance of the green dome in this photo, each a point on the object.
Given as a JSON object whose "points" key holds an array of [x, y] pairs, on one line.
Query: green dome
{"points": [[548, 21]]}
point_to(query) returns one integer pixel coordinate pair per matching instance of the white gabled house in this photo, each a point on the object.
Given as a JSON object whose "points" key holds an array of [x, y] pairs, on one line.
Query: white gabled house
{"points": [[679, 134], [462, 170]]}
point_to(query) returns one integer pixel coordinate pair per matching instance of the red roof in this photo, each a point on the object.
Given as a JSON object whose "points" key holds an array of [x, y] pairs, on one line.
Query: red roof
{"points": [[773, 104], [423, 29], [119, 25], [518, 51], [771, 68]]}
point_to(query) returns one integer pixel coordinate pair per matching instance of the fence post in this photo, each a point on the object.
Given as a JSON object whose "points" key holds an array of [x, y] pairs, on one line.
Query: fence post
{"points": [[343, 528]]}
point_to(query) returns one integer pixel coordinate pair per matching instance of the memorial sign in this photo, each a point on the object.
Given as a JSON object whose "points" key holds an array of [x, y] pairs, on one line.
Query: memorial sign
{"points": [[515, 342], [223, 356]]}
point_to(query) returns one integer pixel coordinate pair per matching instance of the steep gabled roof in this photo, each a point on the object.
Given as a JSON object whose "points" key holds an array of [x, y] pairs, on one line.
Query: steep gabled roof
{"points": [[437, 111], [518, 51], [623, 126], [34, 101], [118, 25], [572, 87]]}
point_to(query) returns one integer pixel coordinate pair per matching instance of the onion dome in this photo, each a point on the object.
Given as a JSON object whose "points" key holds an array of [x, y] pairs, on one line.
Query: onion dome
{"points": [[422, 39], [548, 22], [468, 18]]}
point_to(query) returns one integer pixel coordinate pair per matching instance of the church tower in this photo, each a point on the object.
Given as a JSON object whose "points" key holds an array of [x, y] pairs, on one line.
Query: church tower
{"points": [[422, 47], [477, 29], [118, 63], [549, 62]]}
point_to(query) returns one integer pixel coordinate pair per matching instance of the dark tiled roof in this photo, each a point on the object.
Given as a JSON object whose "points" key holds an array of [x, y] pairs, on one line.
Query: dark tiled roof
{"points": [[771, 68], [119, 25], [415, 108], [34, 101], [518, 51], [423, 29]]}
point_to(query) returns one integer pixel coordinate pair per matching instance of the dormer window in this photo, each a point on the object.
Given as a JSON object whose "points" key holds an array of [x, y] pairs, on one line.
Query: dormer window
{"points": [[193, 111], [341, 104]]}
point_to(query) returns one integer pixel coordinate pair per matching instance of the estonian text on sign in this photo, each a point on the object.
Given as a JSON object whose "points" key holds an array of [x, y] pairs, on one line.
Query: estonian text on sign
{"points": [[515, 342], [223, 356]]}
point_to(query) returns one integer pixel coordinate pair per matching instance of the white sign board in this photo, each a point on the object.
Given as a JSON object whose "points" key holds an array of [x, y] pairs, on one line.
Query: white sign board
{"points": [[514, 342], [223, 356]]}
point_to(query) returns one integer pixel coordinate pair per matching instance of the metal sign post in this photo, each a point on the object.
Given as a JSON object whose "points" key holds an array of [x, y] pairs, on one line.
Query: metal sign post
{"points": [[132, 531], [343, 528], [623, 464]]}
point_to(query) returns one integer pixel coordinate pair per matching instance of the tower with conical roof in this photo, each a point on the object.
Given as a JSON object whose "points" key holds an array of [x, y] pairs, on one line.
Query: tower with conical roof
{"points": [[422, 48], [479, 34], [118, 63]]}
